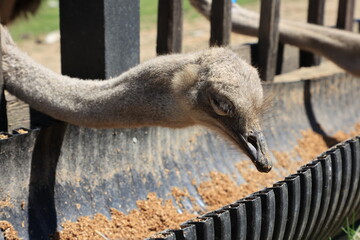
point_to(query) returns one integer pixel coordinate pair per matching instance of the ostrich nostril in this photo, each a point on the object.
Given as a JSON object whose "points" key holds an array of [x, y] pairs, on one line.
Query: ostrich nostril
{"points": [[252, 139]]}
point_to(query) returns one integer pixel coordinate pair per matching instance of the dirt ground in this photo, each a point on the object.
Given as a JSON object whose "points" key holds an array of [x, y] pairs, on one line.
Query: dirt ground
{"points": [[196, 33]]}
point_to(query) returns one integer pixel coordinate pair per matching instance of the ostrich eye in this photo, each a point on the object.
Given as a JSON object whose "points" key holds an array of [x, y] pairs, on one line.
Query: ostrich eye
{"points": [[222, 107]]}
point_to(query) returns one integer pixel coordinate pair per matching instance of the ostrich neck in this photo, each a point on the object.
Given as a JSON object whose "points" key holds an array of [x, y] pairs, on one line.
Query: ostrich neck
{"points": [[139, 97]]}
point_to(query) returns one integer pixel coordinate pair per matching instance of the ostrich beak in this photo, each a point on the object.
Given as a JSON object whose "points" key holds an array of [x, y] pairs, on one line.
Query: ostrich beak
{"points": [[256, 149]]}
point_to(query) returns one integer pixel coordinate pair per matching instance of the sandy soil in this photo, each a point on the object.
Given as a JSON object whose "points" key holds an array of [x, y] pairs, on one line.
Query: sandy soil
{"points": [[195, 35]]}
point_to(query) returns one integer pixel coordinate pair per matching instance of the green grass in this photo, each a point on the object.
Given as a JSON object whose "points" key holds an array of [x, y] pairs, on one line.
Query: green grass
{"points": [[47, 18], [351, 232], [148, 11]]}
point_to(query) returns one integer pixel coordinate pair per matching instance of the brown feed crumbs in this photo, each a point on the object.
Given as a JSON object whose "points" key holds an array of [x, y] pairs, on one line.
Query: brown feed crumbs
{"points": [[3, 136], [22, 131], [8, 231], [6, 203], [153, 215]]}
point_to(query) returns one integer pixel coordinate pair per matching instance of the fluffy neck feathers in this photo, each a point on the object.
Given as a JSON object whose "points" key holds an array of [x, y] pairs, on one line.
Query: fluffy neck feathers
{"points": [[141, 96]]}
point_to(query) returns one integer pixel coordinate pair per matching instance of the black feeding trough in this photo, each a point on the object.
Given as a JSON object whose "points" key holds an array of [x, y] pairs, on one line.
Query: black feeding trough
{"points": [[310, 204], [314, 201], [47, 173]]}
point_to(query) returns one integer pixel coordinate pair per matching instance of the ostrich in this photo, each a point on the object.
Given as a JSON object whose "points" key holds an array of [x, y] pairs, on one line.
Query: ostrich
{"points": [[339, 46], [213, 88]]}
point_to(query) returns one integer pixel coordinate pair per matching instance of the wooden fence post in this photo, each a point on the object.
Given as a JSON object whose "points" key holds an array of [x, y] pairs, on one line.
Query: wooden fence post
{"points": [[268, 39], [220, 21], [345, 18], [169, 27], [316, 16], [99, 39]]}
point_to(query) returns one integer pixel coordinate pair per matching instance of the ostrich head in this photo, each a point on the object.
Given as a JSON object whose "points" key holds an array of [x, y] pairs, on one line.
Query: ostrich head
{"points": [[224, 93], [214, 88]]}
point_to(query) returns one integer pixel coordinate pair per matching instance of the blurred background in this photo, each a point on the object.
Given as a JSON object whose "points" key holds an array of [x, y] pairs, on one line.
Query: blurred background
{"points": [[39, 35]]}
